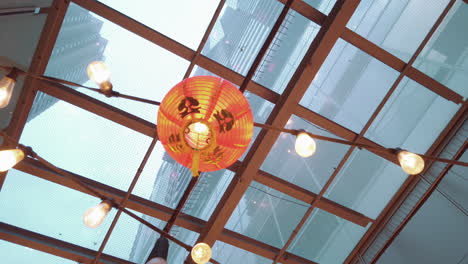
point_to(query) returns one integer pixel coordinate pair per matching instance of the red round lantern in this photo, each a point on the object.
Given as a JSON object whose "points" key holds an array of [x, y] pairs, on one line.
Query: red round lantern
{"points": [[205, 123]]}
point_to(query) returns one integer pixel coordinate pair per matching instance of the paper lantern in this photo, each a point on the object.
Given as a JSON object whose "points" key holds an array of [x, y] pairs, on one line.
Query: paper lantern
{"points": [[205, 123]]}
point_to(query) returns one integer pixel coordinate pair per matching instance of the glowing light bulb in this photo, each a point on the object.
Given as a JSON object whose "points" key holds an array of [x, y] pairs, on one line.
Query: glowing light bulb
{"points": [[94, 216], [9, 158], [198, 135], [98, 72], [201, 253], [157, 261], [305, 145], [200, 128], [411, 163], [6, 89]]}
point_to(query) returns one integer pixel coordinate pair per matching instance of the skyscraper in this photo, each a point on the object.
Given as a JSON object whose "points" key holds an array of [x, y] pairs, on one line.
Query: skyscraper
{"points": [[79, 43]]}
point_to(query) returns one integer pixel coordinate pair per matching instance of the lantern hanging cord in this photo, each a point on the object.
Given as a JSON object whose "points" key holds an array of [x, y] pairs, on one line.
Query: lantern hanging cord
{"points": [[65, 82], [392, 151]]}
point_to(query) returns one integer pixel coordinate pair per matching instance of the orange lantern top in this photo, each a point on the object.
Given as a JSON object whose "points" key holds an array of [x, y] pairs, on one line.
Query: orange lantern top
{"points": [[205, 123]]}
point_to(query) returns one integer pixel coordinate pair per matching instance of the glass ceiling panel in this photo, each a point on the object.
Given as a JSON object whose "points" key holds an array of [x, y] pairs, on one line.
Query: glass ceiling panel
{"points": [[326, 238], [225, 253], [131, 240], [16, 254], [349, 86], [184, 20], [366, 183], [445, 57], [266, 215], [309, 173], [207, 193], [323, 5], [240, 32], [286, 51], [388, 22], [134, 241], [138, 67], [81, 142], [19, 37], [412, 111], [50, 209]]}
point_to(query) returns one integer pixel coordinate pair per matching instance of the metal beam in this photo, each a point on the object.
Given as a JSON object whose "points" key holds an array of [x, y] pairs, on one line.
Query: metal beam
{"points": [[38, 65], [156, 210], [316, 55], [53, 246]]}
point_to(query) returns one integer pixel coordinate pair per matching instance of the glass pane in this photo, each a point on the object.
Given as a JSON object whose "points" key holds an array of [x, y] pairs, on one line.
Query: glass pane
{"points": [[19, 37], [366, 183], [183, 20], [225, 253], [326, 238], [49, 209], [131, 240], [349, 86], [240, 32], [445, 57], [17, 254], [207, 193], [91, 146], [266, 215], [309, 173], [411, 111], [138, 67], [388, 22], [286, 51], [323, 5]]}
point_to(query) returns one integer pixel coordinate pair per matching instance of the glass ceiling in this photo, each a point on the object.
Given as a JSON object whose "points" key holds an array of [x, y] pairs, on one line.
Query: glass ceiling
{"points": [[150, 45]]}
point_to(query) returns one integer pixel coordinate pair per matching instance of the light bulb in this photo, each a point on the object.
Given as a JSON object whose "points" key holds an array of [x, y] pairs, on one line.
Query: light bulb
{"points": [[157, 261], [411, 163], [305, 145], [98, 72], [9, 158], [94, 216], [6, 89], [201, 253], [198, 135]]}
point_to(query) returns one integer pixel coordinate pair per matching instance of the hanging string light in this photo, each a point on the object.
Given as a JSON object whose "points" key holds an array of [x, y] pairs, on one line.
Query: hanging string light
{"points": [[100, 74], [305, 145], [9, 158], [94, 216], [410, 162], [7, 84], [201, 253]]}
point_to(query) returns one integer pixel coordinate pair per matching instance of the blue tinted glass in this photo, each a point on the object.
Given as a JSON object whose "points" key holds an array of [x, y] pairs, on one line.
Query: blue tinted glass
{"points": [[366, 183], [91, 146], [388, 22], [322, 5], [349, 86], [326, 238], [266, 215], [16, 254], [412, 118], [445, 56], [49, 209], [225, 253]]}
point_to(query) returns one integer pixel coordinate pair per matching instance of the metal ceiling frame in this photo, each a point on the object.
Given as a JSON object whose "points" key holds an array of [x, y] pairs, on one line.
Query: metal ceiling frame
{"points": [[286, 104]]}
